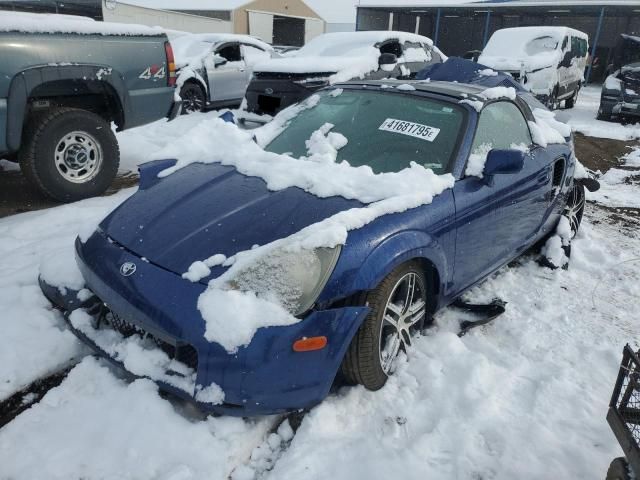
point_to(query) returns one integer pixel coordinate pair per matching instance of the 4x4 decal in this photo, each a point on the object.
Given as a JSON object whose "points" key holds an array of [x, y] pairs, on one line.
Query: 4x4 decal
{"points": [[153, 72]]}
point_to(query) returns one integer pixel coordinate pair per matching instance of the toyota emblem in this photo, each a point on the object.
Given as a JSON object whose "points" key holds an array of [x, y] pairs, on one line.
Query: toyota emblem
{"points": [[127, 268], [268, 91]]}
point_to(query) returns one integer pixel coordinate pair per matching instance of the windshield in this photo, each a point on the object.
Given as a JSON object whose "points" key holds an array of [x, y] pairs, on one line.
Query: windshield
{"points": [[385, 131], [541, 44]]}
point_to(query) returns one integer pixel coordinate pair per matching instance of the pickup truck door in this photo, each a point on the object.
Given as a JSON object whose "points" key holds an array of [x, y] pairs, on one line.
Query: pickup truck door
{"points": [[497, 218], [227, 81]]}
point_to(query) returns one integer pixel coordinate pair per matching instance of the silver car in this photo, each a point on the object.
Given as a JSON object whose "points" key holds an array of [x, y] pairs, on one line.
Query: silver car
{"points": [[215, 69]]}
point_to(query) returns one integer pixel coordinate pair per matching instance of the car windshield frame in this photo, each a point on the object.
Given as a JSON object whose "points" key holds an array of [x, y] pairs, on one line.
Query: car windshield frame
{"points": [[418, 96]]}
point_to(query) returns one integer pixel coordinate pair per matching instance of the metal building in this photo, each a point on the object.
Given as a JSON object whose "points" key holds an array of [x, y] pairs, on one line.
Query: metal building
{"points": [[463, 27]]}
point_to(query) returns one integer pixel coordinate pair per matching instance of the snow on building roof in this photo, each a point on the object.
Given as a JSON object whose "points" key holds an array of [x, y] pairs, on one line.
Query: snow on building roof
{"points": [[183, 5], [491, 3], [54, 23]]}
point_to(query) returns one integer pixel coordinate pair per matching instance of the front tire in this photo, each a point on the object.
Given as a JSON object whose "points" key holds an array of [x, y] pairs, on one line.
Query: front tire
{"points": [[571, 102], [69, 154], [193, 98], [398, 309], [574, 209]]}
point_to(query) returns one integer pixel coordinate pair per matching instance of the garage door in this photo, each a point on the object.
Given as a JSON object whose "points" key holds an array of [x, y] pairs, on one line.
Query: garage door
{"points": [[312, 28], [261, 26]]}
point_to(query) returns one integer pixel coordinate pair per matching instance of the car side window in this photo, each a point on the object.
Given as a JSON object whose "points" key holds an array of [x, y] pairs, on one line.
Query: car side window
{"points": [[231, 53], [501, 127], [392, 46]]}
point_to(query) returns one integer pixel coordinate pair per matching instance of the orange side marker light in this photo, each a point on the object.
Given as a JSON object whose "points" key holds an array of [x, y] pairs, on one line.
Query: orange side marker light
{"points": [[309, 344]]}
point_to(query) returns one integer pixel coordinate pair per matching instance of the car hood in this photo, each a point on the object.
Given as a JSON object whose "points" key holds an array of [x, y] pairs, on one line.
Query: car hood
{"points": [[206, 209]]}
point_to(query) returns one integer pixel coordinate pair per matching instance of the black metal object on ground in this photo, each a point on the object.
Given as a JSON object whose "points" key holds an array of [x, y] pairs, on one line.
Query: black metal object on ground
{"points": [[488, 311], [624, 409]]}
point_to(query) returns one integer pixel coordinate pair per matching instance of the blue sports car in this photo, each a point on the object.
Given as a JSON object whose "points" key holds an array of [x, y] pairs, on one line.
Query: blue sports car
{"points": [[357, 304]]}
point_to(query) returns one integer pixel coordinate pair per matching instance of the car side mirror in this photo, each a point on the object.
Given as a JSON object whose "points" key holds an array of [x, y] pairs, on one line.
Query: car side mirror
{"points": [[503, 161], [218, 61], [387, 61]]}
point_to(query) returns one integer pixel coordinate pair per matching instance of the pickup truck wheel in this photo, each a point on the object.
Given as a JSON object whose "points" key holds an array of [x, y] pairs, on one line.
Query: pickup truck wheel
{"points": [[69, 154], [398, 309], [193, 98]]}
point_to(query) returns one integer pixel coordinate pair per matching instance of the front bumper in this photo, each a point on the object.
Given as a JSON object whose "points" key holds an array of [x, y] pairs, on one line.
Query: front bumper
{"points": [[265, 377], [269, 96]]}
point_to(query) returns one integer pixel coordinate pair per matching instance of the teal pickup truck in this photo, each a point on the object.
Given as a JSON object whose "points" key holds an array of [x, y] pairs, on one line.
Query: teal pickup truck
{"points": [[63, 82]]}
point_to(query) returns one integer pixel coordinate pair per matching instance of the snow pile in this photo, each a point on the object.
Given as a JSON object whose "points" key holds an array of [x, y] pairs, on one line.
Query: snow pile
{"points": [[496, 93], [96, 425], [53, 23], [140, 356], [618, 188], [553, 249], [487, 72], [35, 338], [477, 159], [546, 129], [218, 306], [324, 144], [406, 87], [202, 268], [343, 56]]}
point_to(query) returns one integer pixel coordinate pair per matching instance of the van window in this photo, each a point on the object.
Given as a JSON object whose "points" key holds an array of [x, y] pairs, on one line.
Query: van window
{"points": [[565, 43], [578, 47]]}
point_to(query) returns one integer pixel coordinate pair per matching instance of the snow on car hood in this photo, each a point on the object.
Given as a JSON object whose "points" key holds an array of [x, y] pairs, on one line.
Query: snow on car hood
{"points": [[345, 54], [207, 209]]}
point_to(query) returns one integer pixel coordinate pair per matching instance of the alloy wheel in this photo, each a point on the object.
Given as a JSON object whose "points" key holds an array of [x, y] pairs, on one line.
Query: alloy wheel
{"points": [[404, 311], [575, 208]]}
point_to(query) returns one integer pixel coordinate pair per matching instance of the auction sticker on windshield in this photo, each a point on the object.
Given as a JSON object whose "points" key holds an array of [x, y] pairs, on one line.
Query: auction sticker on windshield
{"points": [[417, 130]]}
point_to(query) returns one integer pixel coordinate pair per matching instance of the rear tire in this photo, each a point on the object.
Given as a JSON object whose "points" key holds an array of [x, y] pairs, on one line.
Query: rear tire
{"points": [[69, 154], [398, 309], [618, 470], [193, 98]]}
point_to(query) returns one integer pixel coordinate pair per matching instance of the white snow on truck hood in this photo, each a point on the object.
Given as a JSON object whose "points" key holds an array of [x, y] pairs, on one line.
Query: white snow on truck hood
{"points": [[53, 23]]}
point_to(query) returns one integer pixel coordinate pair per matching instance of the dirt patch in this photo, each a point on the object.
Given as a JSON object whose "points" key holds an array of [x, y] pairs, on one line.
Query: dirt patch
{"points": [[602, 153], [18, 196]]}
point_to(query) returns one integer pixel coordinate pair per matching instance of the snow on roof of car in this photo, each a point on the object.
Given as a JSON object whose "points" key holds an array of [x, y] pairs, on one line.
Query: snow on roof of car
{"points": [[55, 23], [346, 55], [191, 46], [533, 47]]}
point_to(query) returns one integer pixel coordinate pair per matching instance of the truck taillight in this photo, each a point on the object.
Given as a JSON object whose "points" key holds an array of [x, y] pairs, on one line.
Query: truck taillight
{"points": [[171, 65]]}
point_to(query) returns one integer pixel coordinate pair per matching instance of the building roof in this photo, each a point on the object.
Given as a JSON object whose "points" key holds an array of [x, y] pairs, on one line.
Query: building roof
{"points": [[188, 4], [332, 11], [492, 3]]}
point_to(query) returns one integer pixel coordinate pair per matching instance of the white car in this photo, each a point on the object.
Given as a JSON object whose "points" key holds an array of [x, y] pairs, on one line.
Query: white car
{"points": [[549, 61], [214, 69]]}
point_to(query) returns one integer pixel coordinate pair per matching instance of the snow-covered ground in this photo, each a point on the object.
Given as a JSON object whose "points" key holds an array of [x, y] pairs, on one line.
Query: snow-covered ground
{"points": [[582, 118], [524, 397]]}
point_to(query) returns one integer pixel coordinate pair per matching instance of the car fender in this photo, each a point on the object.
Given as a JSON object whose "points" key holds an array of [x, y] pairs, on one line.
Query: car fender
{"points": [[396, 250], [24, 82]]}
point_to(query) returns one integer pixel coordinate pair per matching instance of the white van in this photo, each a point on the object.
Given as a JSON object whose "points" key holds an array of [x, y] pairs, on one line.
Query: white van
{"points": [[548, 61]]}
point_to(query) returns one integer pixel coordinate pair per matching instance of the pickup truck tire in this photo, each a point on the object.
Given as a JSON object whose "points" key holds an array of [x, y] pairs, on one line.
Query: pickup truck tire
{"points": [[69, 154]]}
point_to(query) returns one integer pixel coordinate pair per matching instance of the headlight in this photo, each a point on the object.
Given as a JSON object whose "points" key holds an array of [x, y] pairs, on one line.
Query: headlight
{"points": [[292, 279]]}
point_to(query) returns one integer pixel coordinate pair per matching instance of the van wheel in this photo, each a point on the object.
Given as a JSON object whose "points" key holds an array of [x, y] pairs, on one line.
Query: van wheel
{"points": [[571, 102], [69, 154], [398, 309]]}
